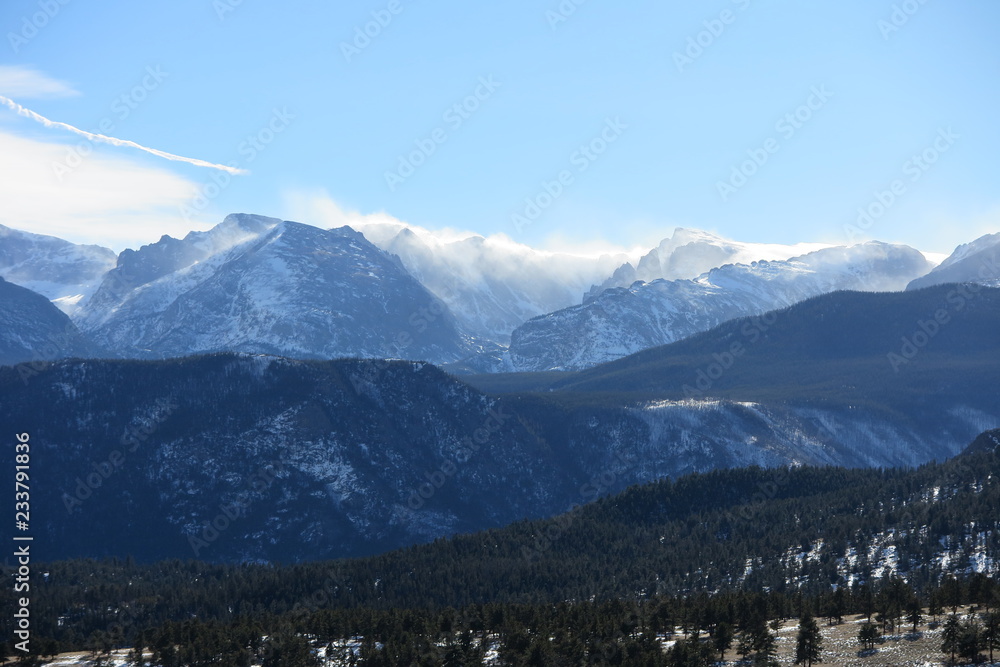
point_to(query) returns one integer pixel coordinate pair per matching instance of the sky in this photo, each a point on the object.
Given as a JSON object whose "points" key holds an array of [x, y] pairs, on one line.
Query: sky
{"points": [[576, 125]]}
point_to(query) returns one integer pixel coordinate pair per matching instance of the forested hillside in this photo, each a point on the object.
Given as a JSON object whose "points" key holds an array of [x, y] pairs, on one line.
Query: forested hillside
{"points": [[702, 542]]}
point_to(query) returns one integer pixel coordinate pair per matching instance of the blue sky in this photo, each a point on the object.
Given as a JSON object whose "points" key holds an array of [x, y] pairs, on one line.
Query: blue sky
{"points": [[270, 89]]}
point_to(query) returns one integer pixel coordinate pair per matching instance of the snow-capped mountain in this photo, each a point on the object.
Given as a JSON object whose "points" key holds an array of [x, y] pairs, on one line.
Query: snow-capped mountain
{"points": [[492, 284], [33, 330], [63, 272], [256, 284], [621, 321], [316, 459], [688, 253], [976, 262]]}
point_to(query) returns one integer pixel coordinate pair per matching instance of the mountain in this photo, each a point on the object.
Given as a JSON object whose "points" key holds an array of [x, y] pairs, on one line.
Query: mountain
{"points": [[828, 531], [244, 458], [493, 284], [621, 321], [976, 262], [986, 442], [849, 378], [706, 533], [688, 253], [33, 330], [63, 272], [257, 284], [292, 460], [937, 345]]}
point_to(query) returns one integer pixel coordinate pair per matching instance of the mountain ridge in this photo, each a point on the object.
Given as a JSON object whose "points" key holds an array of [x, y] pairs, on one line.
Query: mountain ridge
{"points": [[621, 321]]}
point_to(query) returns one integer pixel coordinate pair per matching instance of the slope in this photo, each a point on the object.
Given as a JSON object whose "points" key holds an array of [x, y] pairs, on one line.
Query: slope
{"points": [[622, 321], [261, 285], [975, 262], [63, 272], [33, 330]]}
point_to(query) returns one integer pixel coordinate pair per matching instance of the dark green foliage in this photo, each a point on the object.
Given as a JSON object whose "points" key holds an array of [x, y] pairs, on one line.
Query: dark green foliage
{"points": [[631, 554], [970, 640], [831, 348], [723, 637], [914, 615], [951, 637], [868, 634], [991, 632], [287, 649], [808, 642], [617, 632]]}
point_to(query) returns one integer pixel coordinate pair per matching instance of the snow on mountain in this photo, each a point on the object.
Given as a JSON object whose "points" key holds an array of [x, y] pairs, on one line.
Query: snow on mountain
{"points": [[169, 256], [344, 449], [256, 284], [621, 321], [688, 253], [491, 284], [975, 262], [32, 329], [63, 272], [364, 456]]}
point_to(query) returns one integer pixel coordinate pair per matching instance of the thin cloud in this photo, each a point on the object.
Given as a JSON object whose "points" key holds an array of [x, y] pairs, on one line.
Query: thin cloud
{"points": [[109, 200], [28, 83], [28, 113]]}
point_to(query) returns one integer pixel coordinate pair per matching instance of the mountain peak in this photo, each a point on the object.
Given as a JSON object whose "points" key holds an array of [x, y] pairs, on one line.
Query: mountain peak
{"points": [[975, 262], [295, 290], [249, 221], [685, 235]]}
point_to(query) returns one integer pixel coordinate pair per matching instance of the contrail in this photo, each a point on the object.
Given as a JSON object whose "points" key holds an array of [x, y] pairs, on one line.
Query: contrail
{"points": [[28, 113]]}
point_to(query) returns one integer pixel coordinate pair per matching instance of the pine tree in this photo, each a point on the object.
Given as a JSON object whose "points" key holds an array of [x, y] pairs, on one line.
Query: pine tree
{"points": [[970, 640], [952, 593], [951, 635], [808, 642], [914, 615], [837, 605], [991, 632], [135, 658], [868, 635], [935, 608], [723, 639], [767, 650], [288, 650]]}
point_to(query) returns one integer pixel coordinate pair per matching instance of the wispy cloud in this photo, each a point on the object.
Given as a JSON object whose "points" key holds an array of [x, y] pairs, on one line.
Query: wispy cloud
{"points": [[108, 200], [101, 138], [27, 83], [318, 208]]}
